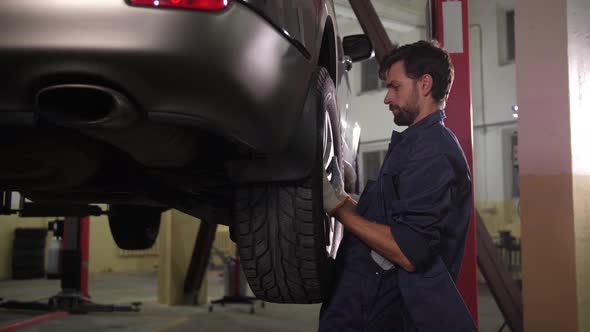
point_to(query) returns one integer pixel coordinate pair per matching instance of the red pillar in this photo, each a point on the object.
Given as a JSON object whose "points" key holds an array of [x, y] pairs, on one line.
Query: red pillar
{"points": [[458, 112], [84, 250], [74, 254]]}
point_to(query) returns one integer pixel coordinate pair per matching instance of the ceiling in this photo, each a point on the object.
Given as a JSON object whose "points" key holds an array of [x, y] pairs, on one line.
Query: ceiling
{"points": [[396, 15]]}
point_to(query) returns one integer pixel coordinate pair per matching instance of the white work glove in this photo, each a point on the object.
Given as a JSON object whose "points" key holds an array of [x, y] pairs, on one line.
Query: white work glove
{"points": [[334, 194]]}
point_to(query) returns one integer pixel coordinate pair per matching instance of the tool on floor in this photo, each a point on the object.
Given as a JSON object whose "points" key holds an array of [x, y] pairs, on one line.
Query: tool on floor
{"points": [[235, 286]]}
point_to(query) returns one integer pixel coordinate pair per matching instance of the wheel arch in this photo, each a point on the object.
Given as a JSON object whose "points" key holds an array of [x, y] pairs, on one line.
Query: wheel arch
{"points": [[296, 161], [327, 57]]}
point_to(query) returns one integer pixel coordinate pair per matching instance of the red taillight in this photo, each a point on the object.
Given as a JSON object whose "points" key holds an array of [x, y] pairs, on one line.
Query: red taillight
{"points": [[188, 4]]}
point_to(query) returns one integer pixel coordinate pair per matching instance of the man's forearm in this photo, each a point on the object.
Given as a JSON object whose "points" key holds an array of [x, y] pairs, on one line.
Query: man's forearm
{"points": [[377, 236]]}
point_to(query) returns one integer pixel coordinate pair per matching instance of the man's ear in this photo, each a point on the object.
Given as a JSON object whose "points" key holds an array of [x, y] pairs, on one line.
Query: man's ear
{"points": [[425, 84]]}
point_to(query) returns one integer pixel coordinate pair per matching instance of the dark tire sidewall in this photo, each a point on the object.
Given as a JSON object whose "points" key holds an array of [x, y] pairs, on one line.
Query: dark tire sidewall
{"points": [[280, 225]]}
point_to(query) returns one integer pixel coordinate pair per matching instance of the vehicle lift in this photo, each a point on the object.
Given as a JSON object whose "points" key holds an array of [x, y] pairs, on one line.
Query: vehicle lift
{"points": [[74, 296]]}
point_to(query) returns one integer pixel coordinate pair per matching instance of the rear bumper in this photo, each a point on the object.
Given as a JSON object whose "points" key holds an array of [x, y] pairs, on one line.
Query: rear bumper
{"points": [[229, 72]]}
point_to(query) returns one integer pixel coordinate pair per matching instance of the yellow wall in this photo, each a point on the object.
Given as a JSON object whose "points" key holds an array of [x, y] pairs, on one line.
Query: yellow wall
{"points": [[174, 249], [548, 254], [500, 216], [582, 238], [223, 244], [178, 234], [105, 255]]}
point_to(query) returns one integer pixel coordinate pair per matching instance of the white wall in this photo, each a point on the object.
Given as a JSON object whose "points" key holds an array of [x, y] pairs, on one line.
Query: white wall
{"points": [[494, 105]]}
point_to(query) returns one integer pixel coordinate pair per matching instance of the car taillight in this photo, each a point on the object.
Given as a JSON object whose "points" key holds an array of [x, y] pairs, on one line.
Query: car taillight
{"points": [[187, 4]]}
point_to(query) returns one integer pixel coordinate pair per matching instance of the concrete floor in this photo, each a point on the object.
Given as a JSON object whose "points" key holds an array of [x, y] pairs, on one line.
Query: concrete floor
{"points": [[123, 288]]}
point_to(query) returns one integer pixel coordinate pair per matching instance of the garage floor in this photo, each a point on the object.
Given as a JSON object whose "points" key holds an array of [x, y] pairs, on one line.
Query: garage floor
{"points": [[125, 288]]}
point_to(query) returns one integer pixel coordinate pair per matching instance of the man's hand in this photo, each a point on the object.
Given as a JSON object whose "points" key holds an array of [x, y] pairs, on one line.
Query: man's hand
{"points": [[334, 194], [337, 203]]}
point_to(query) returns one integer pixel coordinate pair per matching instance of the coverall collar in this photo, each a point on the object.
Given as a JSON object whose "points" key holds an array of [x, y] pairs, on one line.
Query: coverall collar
{"points": [[428, 121]]}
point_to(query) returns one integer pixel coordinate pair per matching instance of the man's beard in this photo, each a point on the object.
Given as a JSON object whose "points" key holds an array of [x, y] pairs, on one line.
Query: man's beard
{"points": [[406, 115]]}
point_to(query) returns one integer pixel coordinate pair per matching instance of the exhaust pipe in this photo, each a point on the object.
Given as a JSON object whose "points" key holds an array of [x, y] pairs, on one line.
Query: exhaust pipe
{"points": [[95, 110], [85, 106]]}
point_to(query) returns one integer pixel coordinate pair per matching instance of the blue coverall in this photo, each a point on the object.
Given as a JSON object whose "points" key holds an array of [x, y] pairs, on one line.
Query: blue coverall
{"points": [[423, 192]]}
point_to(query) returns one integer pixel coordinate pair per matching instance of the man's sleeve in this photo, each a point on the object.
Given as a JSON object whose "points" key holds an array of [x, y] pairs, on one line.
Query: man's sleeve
{"points": [[424, 199]]}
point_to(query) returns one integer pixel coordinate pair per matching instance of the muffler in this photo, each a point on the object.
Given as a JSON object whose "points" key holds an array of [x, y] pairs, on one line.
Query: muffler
{"points": [[96, 110], [85, 106]]}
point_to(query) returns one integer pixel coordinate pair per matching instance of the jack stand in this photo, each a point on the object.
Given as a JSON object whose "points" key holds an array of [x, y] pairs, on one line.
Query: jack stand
{"points": [[74, 296], [235, 287]]}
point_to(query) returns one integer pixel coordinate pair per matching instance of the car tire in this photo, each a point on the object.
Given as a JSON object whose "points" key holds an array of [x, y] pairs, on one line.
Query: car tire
{"points": [[30, 233], [281, 228], [26, 243], [134, 227]]}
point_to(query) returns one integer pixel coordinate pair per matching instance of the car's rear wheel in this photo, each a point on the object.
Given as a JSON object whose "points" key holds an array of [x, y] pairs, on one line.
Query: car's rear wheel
{"points": [[286, 242], [134, 227]]}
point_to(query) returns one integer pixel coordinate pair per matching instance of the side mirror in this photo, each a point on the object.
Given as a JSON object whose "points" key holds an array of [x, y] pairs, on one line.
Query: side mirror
{"points": [[357, 47]]}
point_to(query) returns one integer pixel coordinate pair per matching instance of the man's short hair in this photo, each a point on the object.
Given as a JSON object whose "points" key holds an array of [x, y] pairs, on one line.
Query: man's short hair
{"points": [[422, 58]]}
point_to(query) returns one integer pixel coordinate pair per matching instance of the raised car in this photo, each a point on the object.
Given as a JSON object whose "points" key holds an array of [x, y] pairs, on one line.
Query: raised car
{"points": [[228, 110]]}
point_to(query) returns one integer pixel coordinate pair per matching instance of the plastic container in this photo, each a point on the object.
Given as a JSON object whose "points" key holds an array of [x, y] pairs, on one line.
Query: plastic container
{"points": [[53, 264]]}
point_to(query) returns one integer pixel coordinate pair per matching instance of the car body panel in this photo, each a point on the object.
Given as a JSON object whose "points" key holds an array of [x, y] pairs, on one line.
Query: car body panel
{"points": [[298, 19], [242, 73], [148, 59]]}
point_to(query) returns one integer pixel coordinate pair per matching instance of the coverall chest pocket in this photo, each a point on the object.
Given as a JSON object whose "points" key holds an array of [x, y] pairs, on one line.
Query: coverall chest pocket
{"points": [[389, 184], [364, 200], [370, 204]]}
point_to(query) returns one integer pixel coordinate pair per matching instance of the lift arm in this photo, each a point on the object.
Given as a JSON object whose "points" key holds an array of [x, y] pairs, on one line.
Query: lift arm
{"points": [[372, 26]]}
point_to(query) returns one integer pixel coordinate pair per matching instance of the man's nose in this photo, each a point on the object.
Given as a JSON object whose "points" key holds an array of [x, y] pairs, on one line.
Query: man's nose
{"points": [[388, 98]]}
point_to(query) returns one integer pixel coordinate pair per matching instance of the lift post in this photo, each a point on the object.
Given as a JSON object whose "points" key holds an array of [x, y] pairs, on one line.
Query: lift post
{"points": [[74, 296], [372, 26], [199, 261]]}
